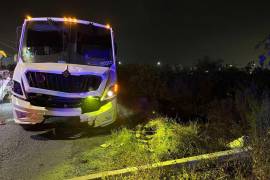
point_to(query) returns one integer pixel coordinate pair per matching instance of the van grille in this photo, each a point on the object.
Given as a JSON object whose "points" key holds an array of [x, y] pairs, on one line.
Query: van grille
{"points": [[53, 101], [49, 101], [58, 82]]}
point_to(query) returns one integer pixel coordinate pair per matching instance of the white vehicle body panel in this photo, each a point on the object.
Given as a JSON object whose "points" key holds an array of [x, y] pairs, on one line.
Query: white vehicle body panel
{"points": [[27, 113]]}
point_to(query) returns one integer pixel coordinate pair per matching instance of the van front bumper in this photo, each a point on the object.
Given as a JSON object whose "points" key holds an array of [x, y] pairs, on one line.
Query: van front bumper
{"points": [[25, 113]]}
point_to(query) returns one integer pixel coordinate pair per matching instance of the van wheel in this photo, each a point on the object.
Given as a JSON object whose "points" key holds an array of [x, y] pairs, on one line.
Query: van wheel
{"points": [[32, 127]]}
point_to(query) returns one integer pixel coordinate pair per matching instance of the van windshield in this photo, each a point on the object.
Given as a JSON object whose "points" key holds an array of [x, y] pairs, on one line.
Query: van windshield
{"points": [[67, 42]]}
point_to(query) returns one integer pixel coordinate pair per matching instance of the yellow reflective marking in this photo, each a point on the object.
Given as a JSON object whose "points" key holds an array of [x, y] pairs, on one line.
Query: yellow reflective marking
{"points": [[193, 159]]}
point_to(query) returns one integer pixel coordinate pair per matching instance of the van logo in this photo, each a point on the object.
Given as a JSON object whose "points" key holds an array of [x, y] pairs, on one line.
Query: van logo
{"points": [[66, 73]]}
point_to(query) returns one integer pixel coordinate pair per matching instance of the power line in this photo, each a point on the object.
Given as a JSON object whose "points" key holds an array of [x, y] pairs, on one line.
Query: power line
{"points": [[8, 46], [10, 41]]}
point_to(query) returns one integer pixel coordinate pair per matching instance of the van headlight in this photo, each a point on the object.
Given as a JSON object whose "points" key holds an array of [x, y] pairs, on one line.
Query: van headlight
{"points": [[111, 92]]}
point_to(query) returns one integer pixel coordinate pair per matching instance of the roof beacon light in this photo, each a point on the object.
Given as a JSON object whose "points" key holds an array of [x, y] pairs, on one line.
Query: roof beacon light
{"points": [[108, 26], [28, 17], [70, 19], [74, 20]]}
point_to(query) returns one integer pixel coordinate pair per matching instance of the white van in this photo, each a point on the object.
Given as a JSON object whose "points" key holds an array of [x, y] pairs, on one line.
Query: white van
{"points": [[66, 67]]}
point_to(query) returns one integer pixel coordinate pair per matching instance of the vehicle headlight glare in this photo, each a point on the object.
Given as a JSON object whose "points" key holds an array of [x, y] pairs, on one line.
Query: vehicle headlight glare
{"points": [[110, 93]]}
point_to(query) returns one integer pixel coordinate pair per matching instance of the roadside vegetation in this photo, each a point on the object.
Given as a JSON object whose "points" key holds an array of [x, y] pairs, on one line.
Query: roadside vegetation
{"points": [[163, 139], [159, 139], [178, 112]]}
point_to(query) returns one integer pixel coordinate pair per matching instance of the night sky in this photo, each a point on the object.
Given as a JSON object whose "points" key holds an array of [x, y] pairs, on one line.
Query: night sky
{"points": [[168, 31]]}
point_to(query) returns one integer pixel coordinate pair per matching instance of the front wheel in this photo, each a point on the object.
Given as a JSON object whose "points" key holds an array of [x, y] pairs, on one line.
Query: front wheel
{"points": [[32, 127]]}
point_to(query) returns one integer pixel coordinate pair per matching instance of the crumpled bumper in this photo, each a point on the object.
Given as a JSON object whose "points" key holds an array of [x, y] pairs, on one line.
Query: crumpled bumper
{"points": [[25, 113]]}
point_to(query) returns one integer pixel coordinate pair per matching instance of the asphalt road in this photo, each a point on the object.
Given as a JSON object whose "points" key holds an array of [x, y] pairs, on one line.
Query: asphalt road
{"points": [[27, 154]]}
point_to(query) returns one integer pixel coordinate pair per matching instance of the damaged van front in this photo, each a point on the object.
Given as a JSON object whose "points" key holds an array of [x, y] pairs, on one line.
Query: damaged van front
{"points": [[66, 67]]}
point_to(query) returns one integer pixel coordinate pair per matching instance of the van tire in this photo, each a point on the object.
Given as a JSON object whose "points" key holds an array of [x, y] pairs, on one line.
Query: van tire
{"points": [[32, 127]]}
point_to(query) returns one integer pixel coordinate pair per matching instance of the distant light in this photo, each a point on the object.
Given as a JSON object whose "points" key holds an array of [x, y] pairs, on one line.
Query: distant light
{"points": [[119, 62], [65, 19], [158, 63], [230, 65], [108, 26], [28, 17], [206, 71]]}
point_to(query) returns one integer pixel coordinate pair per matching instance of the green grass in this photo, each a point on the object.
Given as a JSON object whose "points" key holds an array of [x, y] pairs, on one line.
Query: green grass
{"points": [[58, 173], [160, 139], [157, 140]]}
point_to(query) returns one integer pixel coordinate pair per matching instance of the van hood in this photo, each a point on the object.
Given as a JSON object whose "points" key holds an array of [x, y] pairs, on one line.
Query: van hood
{"points": [[58, 68]]}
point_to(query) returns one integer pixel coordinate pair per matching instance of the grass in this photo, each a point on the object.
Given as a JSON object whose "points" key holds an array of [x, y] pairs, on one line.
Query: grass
{"points": [[59, 172], [162, 139], [158, 140], [257, 117]]}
